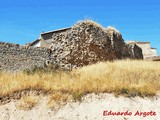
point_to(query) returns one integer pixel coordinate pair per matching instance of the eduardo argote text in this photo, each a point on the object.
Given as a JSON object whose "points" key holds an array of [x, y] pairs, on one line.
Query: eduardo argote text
{"points": [[128, 113]]}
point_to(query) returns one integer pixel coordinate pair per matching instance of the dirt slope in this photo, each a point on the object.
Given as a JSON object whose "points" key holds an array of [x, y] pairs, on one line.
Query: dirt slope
{"points": [[92, 107]]}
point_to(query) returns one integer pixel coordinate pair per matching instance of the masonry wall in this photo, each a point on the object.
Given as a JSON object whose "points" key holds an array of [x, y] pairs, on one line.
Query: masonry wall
{"points": [[147, 50], [88, 43], [14, 57], [153, 52], [83, 44], [46, 38]]}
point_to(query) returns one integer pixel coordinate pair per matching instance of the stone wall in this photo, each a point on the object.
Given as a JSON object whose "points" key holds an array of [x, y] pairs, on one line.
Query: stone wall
{"points": [[132, 51], [147, 51], [83, 44], [14, 57], [87, 43]]}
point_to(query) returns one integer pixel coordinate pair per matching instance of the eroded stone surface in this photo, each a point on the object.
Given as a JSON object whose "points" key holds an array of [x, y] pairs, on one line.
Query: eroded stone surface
{"points": [[86, 43]]}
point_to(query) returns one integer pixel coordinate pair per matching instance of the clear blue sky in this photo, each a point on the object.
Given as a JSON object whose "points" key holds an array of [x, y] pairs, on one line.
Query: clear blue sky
{"points": [[22, 21]]}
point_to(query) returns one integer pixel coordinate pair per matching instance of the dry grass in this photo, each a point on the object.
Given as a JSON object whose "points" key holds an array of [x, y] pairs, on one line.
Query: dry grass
{"points": [[58, 99], [89, 22], [93, 23], [130, 78], [28, 102]]}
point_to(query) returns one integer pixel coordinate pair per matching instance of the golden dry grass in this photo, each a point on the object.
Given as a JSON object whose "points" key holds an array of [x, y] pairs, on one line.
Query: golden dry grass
{"points": [[89, 22], [93, 23], [28, 102], [125, 77], [58, 99]]}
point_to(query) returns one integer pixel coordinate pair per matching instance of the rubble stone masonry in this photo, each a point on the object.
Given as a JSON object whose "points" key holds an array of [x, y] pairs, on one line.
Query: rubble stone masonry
{"points": [[85, 43]]}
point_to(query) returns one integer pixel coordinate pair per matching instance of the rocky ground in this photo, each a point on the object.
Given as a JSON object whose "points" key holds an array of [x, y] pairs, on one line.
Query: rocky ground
{"points": [[92, 107]]}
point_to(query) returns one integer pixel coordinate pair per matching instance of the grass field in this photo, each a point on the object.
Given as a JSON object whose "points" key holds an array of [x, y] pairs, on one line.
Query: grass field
{"points": [[124, 77]]}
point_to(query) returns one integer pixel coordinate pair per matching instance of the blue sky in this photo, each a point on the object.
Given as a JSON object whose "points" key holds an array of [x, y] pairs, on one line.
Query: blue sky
{"points": [[21, 21]]}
